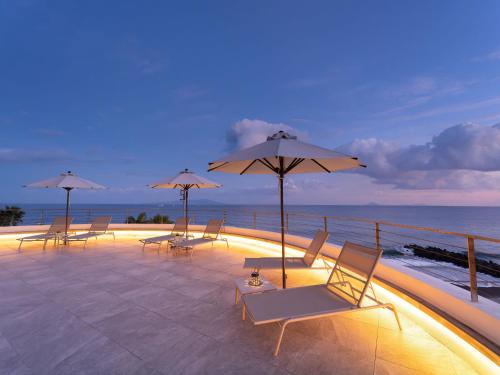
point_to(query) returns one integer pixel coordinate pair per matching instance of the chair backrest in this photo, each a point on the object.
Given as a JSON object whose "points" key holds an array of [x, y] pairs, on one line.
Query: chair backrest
{"points": [[315, 246], [350, 278], [100, 224], [180, 225], [59, 224], [212, 230]]}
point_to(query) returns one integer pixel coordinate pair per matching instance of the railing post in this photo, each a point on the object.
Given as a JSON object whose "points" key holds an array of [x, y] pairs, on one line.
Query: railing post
{"points": [[377, 235], [254, 220], [471, 256], [224, 216], [325, 223]]}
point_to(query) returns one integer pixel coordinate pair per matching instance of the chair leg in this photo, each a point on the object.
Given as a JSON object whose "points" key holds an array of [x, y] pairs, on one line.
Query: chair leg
{"points": [[19, 247], [393, 309], [280, 338], [143, 244]]}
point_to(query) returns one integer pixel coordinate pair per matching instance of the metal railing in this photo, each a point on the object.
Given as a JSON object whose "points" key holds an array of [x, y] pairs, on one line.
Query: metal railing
{"points": [[440, 253]]}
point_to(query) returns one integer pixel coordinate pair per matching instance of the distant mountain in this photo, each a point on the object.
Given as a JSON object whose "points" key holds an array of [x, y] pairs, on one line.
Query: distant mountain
{"points": [[194, 202]]}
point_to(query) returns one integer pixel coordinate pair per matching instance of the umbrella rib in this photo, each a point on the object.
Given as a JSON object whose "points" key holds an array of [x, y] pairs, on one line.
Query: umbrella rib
{"points": [[248, 166], [293, 164], [321, 165], [268, 164], [218, 166]]}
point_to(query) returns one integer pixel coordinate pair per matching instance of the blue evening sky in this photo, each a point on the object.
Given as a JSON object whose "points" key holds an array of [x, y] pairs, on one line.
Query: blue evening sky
{"points": [[127, 92]]}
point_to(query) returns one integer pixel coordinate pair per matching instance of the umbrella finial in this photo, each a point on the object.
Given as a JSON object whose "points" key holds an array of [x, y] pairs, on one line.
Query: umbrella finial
{"points": [[281, 135]]}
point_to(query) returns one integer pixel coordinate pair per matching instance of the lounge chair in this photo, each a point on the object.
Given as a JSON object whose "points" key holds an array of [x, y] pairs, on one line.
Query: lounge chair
{"points": [[307, 261], [97, 228], [344, 292], [210, 234], [178, 230], [55, 232]]}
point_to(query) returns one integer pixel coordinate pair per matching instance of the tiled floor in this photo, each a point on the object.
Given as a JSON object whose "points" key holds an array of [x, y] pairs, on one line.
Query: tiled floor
{"points": [[112, 309]]}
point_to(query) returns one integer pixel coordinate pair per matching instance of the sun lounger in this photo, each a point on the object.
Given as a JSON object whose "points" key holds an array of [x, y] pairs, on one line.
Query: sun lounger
{"points": [[97, 228], [55, 231], [178, 230], [307, 261], [210, 234], [344, 292]]}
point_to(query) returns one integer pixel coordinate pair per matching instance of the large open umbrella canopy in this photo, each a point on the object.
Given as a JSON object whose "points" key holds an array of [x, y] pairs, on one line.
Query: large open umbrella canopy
{"points": [[284, 154], [67, 181], [184, 181]]}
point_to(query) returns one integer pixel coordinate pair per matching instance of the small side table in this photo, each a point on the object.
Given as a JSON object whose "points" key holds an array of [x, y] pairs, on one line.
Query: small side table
{"points": [[242, 288]]}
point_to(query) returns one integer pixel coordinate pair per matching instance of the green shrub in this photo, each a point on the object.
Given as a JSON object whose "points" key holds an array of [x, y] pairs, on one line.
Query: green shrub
{"points": [[142, 218], [11, 215]]}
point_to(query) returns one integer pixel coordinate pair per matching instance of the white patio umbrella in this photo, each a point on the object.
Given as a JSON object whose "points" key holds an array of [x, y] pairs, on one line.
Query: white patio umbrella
{"points": [[184, 181], [283, 154], [67, 181]]}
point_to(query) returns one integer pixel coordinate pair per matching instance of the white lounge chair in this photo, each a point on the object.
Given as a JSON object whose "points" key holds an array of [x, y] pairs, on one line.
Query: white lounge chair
{"points": [[55, 232], [307, 261], [344, 292], [98, 227], [178, 230], [210, 234]]}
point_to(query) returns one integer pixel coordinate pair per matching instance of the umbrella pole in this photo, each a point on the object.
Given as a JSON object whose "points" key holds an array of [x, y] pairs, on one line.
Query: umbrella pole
{"points": [[67, 216], [283, 272], [186, 195]]}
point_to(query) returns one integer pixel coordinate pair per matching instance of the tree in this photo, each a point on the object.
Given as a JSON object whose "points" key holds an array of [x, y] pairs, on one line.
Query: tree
{"points": [[143, 219], [11, 215]]}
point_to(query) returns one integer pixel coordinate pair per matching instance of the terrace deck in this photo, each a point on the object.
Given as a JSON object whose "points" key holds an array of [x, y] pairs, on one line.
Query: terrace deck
{"points": [[111, 309]]}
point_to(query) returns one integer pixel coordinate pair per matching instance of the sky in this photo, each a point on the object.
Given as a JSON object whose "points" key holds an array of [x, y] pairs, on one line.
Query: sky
{"points": [[125, 93]]}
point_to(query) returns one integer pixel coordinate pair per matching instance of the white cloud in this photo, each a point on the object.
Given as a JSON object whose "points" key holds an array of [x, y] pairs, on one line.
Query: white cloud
{"points": [[246, 133], [49, 132], [418, 91], [455, 108], [12, 155], [492, 56], [146, 61], [189, 92], [463, 156]]}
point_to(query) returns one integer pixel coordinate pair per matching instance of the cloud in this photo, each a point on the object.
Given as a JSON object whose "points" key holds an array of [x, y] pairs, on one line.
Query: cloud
{"points": [[13, 155], [492, 56], [147, 61], [189, 92], [25, 155], [418, 91], [49, 132], [246, 133], [456, 108], [463, 156]]}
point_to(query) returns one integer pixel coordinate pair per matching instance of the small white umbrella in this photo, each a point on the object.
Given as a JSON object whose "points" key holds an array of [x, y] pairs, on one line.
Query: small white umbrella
{"points": [[184, 181], [67, 181], [280, 155]]}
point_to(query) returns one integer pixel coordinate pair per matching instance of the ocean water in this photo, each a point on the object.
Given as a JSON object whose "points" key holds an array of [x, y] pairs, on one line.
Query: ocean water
{"points": [[304, 220]]}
